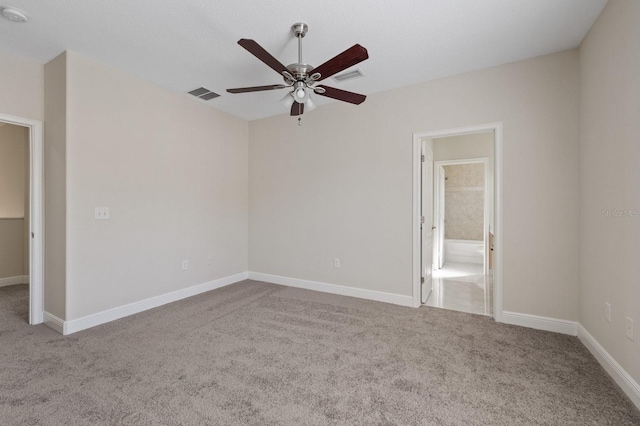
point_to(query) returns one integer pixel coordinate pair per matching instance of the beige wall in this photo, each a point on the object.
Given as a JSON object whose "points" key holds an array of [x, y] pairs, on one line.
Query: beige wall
{"points": [[14, 155], [21, 87], [340, 185], [13, 150], [474, 145], [27, 201], [464, 201], [55, 133], [173, 173], [610, 180], [11, 248]]}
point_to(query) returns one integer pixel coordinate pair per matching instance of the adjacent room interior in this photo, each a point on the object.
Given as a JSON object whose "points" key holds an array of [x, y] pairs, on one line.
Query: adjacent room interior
{"points": [[182, 246], [463, 221], [14, 215]]}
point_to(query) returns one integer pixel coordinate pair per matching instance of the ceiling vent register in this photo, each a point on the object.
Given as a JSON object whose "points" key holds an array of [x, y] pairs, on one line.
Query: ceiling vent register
{"points": [[204, 94], [348, 76]]}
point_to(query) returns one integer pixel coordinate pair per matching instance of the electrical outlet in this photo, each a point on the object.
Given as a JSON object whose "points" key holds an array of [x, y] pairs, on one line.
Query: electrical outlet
{"points": [[336, 262], [102, 213], [607, 311], [210, 259], [185, 265], [629, 328]]}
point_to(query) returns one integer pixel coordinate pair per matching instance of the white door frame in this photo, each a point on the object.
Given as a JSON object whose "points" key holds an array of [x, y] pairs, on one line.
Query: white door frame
{"points": [[36, 215], [498, 200], [426, 232], [486, 219]]}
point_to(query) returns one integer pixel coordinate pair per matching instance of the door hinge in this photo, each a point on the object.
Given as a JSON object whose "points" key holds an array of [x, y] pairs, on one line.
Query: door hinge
{"points": [[421, 280], [422, 219], [422, 158]]}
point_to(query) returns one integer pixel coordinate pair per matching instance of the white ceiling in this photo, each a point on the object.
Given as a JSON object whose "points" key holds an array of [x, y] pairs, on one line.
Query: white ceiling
{"points": [[185, 44]]}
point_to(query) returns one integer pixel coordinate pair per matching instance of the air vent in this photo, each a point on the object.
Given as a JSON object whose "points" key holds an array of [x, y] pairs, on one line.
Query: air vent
{"points": [[204, 94], [209, 96], [348, 76]]}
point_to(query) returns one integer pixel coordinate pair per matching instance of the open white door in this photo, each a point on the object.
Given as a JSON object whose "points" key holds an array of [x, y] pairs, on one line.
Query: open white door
{"points": [[440, 217], [426, 233]]}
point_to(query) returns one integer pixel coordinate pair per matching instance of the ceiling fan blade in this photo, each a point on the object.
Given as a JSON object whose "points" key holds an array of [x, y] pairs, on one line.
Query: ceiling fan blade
{"points": [[297, 109], [342, 95], [256, 88], [344, 60], [258, 51]]}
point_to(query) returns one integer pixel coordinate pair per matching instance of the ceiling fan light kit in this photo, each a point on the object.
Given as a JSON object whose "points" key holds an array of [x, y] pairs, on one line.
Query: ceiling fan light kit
{"points": [[302, 78]]}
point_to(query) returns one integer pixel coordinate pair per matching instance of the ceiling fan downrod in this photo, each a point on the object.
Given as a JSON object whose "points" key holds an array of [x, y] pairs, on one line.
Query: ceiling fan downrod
{"points": [[300, 30]]}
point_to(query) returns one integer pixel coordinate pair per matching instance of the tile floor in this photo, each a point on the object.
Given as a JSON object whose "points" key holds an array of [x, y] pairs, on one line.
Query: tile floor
{"points": [[462, 287]]}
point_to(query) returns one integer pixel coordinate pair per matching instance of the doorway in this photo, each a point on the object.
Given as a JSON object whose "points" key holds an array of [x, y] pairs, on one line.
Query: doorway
{"points": [[424, 205], [26, 221], [463, 193]]}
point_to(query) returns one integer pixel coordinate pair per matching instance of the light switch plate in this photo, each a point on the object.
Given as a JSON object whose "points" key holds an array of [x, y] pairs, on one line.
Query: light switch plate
{"points": [[102, 213]]}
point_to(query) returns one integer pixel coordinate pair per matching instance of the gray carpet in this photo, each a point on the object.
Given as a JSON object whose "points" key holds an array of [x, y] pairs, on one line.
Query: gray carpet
{"points": [[261, 354]]}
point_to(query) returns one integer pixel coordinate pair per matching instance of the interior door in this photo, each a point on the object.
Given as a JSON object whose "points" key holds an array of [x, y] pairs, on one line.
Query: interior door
{"points": [[426, 220], [440, 217]]}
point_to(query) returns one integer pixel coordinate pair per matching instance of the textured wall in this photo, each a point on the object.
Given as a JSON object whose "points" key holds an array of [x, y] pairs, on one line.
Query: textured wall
{"points": [[11, 248], [55, 186], [14, 191], [340, 185], [173, 173], [21, 87], [609, 180], [475, 145], [13, 150], [464, 201]]}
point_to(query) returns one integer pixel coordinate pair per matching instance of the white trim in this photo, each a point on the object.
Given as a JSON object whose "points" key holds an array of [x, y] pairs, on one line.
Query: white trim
{"points": [[498, 200], [379, 296], [417, 219], [54, 322], [497, 215], [629, 386], [79, 324], [36, 215], [541, 323], [20, 279]]}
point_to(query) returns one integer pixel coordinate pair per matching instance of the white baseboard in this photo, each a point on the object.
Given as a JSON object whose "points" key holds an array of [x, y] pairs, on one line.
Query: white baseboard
{"points": [[629, 386], [75, 325], [54, 322], [20, 279], [379, 296], [540, 323]]}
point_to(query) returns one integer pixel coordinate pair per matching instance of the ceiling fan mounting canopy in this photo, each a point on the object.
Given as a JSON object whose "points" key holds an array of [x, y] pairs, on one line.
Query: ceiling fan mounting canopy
{"points": [[303, 78], [300, 29]]}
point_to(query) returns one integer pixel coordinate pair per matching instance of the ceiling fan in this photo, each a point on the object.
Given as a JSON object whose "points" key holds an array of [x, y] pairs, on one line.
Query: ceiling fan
{"points": [[303, 78]]}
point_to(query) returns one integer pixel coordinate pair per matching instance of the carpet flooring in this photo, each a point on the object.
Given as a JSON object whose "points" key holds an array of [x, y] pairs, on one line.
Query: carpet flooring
{"points": [[260, 354]]}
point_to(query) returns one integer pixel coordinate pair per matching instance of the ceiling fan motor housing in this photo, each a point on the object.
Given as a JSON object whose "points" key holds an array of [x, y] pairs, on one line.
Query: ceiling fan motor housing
{"points": [[300, 71]]}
